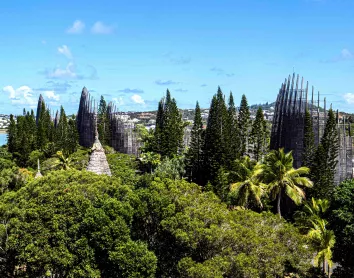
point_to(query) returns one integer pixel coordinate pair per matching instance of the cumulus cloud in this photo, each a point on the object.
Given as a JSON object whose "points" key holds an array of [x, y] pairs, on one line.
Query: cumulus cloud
{"points": [[220, 71], [77, 27], [165, 82], [70, 72], [181, 90], [349, 98], [118, 100], [131, 91], [51, 95], [65, 51], [101, 28], [20, 96], [346, 54], [137, 99], [180, 60], [60, 73]]}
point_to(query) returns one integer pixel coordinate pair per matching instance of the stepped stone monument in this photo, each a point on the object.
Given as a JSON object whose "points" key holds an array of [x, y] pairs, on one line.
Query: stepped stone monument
{"points": [[38, 174], [98, 162]]}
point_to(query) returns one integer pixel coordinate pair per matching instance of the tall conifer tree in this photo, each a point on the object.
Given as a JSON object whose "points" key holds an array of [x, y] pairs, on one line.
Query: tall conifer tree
{"points": [[169, 129], [42, 127], [103, 122], [195, 151], [309, 141], [258, 135], [326, 159], [232, 136], [62, 132], [244, 122], [157, 144], [12, 135], [215, 146]]}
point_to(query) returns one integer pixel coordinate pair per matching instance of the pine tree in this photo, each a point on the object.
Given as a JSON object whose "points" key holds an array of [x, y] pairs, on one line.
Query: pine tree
{"points": [[103, 122], [309, 141], [244, 125], [174, 130], [232, 136], [31, 130], [195, 151], [214, 147], [73, 136], [326, 159], [12, 135], [169, 129], [62, 132], [158, 132], [42, 128], [258, 136]]}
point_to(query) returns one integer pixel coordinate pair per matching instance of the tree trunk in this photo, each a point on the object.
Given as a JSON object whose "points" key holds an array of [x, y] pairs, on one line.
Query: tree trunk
{"points": [[278, 203]]}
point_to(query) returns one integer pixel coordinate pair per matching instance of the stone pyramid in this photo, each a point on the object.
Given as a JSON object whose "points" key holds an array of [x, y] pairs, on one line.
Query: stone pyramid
{"points": [[98, 162]]}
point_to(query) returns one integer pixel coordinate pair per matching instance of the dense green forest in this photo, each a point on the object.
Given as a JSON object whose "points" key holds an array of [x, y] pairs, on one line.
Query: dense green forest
{"points": [[225, 206]]}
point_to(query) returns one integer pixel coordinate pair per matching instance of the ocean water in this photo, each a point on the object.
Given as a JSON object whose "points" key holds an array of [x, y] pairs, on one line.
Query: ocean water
{"points": [[3, 139]]}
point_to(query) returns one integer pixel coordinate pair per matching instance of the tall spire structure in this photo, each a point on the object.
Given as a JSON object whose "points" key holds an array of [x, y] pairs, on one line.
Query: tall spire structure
{"points": [[98, 161], [38, 174], [288, 128]]}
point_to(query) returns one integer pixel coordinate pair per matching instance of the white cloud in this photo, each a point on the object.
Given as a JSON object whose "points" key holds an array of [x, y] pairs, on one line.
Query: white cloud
{"points": [[346, 54], [59, 73], [65, 51], [349, 98], [137, 99], [119, 100], [51, 95], [20, 96], [77, 27], [100, 28]]}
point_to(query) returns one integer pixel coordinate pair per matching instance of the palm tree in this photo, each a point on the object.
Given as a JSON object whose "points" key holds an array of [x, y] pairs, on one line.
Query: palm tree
{"points": [[250, 184], [324, 241], [62, 162], [313, 210], [279, 174]]}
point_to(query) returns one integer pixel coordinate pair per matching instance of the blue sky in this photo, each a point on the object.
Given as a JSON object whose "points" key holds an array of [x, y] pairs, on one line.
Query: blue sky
{"points": [[132, 51]]}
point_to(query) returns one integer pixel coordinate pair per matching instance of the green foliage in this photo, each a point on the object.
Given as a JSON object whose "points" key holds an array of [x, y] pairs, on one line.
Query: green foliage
{"points": [[258, 136], [150, 160], [123, 166], [232, 133], [34, 157], [71, 224], [325, 161], [221, 184], [283, 179], [250, 187], [342, 222], [193, 234], [244, 123], [309, 141], [146, 137], [169, 130], [195, 151], [80, 158], [215, 137], [172, 168], [103, 122]]}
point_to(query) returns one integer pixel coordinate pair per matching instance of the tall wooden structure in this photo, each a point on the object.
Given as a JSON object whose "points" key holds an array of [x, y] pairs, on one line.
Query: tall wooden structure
{"points": [[288, 124], [123, 136]]}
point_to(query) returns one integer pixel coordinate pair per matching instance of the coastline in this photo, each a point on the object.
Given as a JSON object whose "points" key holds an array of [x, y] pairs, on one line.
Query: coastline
{"points": [[3, 131]]}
